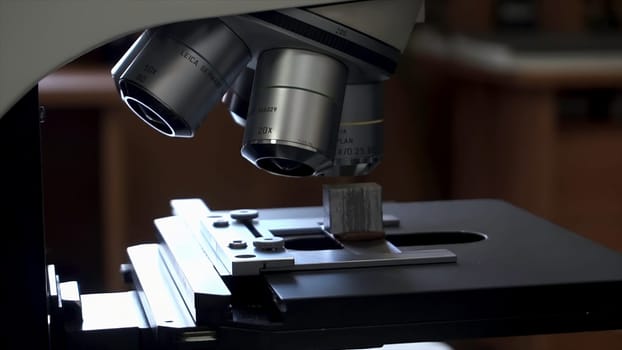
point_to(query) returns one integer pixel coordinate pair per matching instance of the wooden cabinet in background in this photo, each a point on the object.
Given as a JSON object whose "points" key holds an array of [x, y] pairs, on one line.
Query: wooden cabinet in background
{"points": [[498, 122], [507, 137]]}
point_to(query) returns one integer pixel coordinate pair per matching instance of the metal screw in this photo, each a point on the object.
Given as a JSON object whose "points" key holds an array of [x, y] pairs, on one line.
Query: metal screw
{"points": [[238, 244], [220, 223], [244, 215], [269, 243]]}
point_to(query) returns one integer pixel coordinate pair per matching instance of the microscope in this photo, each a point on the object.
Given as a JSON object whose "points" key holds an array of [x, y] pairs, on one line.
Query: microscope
{"points": [[304, 79]]}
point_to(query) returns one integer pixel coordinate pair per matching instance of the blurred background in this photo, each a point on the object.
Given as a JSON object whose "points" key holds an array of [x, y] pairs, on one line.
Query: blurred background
{"points": [[513, 99]]}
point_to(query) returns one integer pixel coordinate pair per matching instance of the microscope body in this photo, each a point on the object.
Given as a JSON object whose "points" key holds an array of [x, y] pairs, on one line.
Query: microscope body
{"points": [[40, 37], [453, 269]]}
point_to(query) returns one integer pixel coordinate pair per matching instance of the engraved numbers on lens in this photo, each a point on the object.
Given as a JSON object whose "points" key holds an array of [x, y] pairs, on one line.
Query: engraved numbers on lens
{"points": [[150, 69], [141, 78], [353, 151], [345, 140], [265, 130], [341, 31], [266, 109]]}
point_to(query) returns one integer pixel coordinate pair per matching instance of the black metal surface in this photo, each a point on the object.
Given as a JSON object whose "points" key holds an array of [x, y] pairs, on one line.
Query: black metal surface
{"points": [[530, 276], [22, 227], [375, 336]]}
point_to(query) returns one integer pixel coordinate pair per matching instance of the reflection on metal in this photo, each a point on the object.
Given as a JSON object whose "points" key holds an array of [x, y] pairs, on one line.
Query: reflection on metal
{"points": [[192, 225]]}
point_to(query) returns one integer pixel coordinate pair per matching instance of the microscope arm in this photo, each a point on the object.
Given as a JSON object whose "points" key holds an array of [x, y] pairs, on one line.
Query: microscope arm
{"points": [[40, 36]]}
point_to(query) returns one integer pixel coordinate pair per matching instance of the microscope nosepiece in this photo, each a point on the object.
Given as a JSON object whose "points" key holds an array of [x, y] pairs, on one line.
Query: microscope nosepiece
{"points": [[176, 73], [295, 110], [282, 75]]}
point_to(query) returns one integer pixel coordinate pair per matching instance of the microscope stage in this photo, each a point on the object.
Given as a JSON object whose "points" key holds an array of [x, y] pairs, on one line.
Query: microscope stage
{"points": [[447, 270]]}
